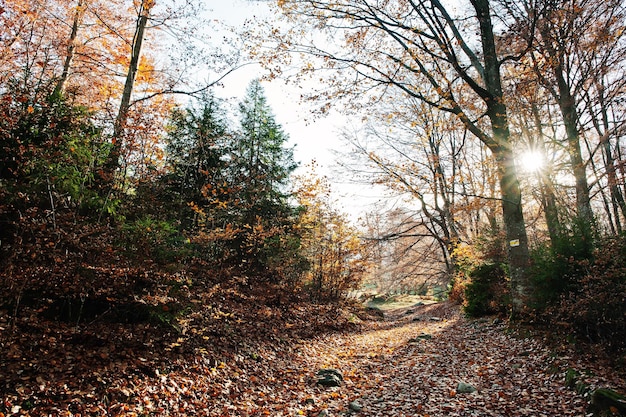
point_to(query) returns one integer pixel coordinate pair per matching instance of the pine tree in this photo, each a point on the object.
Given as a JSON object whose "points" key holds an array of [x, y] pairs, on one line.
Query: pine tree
{"points": [[197, 148], [260, 168], [261, 161]]}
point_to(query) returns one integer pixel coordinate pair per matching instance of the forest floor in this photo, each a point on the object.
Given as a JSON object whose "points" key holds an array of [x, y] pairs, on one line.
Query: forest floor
{"points": [[234, 356]]}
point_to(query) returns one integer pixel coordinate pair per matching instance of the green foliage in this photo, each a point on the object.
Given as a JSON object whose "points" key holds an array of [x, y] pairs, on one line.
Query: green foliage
{"points": [[224, 189], [557, 267], [583, 287], [486, 291], [157, 240], [197, 149], [261, 162], [283, 256], [48, 149], [595, 305], [256, 200], [480, 281], [48, 153]]}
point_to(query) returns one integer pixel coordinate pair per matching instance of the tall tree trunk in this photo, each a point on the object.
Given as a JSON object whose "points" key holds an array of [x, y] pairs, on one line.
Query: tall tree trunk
{"points": [[567, 104], [553, 47], [113, 159], [513, 216], [548, 199], [617, 198], [71, 48]]}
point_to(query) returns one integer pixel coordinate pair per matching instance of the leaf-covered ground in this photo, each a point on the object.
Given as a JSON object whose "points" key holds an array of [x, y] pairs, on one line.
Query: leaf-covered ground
{"points": [[236, 356]]}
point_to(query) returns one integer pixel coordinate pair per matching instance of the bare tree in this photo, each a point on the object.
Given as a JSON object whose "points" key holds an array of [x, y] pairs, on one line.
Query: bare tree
{"points": [[450, 63], [577, 47]]}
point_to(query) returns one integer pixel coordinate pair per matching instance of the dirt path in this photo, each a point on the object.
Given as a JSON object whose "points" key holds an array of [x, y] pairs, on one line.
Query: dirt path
{"points": [[411, 364], [408, 364]]}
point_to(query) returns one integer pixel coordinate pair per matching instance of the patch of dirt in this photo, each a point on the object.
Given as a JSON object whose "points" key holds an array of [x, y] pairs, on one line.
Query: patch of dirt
{"points": [[399, 302]]}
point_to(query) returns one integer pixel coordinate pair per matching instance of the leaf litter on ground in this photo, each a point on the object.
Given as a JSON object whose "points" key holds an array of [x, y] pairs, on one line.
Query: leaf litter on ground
{"points": [[245, 355]]}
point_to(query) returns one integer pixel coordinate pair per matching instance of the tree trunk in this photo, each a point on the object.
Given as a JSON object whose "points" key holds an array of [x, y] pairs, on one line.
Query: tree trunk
{"points": [[567, 105], [513, 217], [113, 159], [515, 227], [71, 48], [617, 198], [548, 199]]}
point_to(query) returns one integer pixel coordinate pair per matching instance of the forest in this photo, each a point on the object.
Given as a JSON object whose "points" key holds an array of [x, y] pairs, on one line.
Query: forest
{"points": [[162, 251]]}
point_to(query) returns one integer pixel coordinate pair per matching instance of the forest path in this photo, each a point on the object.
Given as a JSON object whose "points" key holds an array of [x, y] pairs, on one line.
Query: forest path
{"points": [[411, 364]]}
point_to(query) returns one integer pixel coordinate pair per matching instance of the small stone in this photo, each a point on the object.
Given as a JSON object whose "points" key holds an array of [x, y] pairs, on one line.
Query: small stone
{"points": [[329, 377], [423, 336], [465, 388], [355, 406]]}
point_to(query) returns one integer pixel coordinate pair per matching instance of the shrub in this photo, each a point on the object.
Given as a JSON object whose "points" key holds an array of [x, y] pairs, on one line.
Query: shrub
{"points": [[486, 292], [596, 305], [557, 268], [147, 238], [479, 282], [465, 260]]}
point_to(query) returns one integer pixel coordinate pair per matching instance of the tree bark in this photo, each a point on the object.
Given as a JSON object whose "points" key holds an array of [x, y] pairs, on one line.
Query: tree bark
{"points": [[513, 216], [548, 199], [71, 48], [567, 104], [113, 160], [552, 45]]}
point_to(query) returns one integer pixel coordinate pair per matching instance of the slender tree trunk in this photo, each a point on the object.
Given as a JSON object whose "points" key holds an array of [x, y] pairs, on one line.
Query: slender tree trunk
{"points": [[567, 104], [113, 160], [548, 199], [617, 198], [71, 48]]}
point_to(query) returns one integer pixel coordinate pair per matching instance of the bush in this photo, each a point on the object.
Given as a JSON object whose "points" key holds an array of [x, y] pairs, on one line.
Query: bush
{"points": [[595, 306], [147, 238], [486, 292], [480, 279], [557, 268]]}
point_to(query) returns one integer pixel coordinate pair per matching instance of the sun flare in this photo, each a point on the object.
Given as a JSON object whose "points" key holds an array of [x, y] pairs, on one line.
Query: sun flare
{"points": [[532, 161]]}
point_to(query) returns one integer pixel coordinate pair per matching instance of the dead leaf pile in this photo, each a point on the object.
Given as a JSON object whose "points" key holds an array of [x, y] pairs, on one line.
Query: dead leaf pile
{"points": [[237, 355]]}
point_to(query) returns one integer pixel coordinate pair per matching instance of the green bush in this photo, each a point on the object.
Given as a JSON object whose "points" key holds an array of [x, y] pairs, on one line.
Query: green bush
{"points": [[486, 291], [158, 240], [595, 306], [48, 150], [558, 267]]}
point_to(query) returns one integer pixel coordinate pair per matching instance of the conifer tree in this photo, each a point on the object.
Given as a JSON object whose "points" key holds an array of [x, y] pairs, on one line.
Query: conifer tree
{"points": [[197, 145], [261, 161], [260, 168]]}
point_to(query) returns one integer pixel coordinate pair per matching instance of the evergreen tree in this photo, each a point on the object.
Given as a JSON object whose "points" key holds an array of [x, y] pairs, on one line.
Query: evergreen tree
{"points": [[197, 148], [261, 162], [260, 168]]}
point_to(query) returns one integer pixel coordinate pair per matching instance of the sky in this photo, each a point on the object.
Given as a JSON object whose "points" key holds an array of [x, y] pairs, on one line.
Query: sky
{"points": [[318, 139]]}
